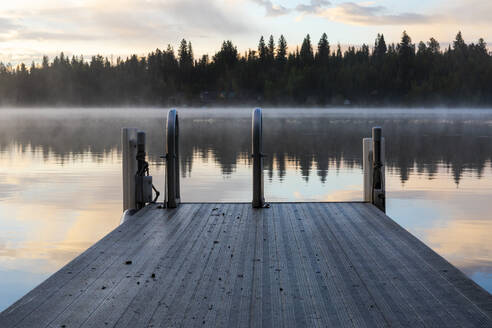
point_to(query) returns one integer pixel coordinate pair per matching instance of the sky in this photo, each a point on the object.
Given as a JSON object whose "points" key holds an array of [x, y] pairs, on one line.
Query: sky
{"points": [[30, 29]]}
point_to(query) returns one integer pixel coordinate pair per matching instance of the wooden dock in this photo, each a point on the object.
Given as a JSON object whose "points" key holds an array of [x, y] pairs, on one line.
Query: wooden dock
{"points": [[230, 265], [251, 265]]}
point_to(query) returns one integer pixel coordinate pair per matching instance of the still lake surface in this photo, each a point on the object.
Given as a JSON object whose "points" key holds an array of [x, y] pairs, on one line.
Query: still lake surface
{"points": [[60, 175]]}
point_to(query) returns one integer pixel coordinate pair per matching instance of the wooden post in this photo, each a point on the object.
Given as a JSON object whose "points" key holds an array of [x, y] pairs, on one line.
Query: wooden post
{"points": [[368, 168], [378, 191], [257, 154], [129, 150], [172, 190]]}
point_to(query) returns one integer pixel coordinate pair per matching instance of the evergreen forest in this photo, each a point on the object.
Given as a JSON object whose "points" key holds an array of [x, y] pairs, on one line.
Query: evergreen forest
{"points": [[272, 74]]}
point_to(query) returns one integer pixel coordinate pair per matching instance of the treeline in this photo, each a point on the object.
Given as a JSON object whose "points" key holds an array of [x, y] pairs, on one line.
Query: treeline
{"points": [[312, 75]]}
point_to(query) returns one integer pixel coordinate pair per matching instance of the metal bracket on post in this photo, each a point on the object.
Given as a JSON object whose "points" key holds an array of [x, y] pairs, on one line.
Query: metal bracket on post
{"points": [[172, 192], [369, 168], [143, 182], [378, 188], [257, 154]]}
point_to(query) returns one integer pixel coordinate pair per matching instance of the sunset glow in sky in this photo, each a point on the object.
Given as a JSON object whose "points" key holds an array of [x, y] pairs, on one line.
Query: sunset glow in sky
{"points": [[31, 28]]}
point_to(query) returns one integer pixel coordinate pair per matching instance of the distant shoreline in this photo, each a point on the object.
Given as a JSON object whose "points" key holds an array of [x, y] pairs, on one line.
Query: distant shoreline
{"points": [[406, 75]]}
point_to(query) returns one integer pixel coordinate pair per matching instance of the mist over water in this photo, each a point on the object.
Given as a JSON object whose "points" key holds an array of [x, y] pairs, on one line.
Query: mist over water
{"points": [[60, 174], [310, 139]]}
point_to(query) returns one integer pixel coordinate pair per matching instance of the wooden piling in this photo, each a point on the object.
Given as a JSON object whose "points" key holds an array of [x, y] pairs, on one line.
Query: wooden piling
{"points": [[143, 182], [257, 154], [378, 191], [129, 163], [368, 169]]}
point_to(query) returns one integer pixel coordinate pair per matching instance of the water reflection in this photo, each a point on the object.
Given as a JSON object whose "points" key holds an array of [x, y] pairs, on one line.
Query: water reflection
{"points": [[60, 175], [313, 140]]}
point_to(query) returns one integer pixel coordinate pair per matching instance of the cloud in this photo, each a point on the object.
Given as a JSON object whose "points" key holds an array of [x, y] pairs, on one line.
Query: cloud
{"points": [[456, 12], [49, 35], [470, 11], [30, 28], [203, 16], [123, 19], [314, 7], [353, 13], [272, 9], [347, 12], [7, 24], [7, 27]]}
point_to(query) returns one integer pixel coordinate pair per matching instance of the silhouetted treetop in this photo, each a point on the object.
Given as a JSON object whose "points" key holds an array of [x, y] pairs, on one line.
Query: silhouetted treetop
{"points": [[323, 53], [227, 56], [281, 49], [306, 54], [380, 46]]}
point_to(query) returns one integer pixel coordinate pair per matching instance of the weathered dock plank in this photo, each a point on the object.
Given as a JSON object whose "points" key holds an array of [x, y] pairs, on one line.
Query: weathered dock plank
{"points": [[229, 265]]}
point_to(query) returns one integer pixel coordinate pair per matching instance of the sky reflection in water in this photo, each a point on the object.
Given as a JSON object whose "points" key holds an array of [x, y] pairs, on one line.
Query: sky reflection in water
{"points": [[60, 175]]}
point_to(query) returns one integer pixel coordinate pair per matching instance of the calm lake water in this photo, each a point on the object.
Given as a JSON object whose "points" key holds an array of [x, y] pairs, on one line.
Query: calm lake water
{"points": [[60, 175]]}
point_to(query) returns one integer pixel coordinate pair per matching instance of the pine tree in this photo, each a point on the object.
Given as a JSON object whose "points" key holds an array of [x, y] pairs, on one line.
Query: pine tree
{"points": [[306, 54], [421, 48], [281, 50], [338, 53], [406, 49], [271, 49], [323, 53], [185, 55], [191, 57], [433, 46], [262, 49], [227, 57], [46, 62], [380, 47], [482, 46], [459, 43]]}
